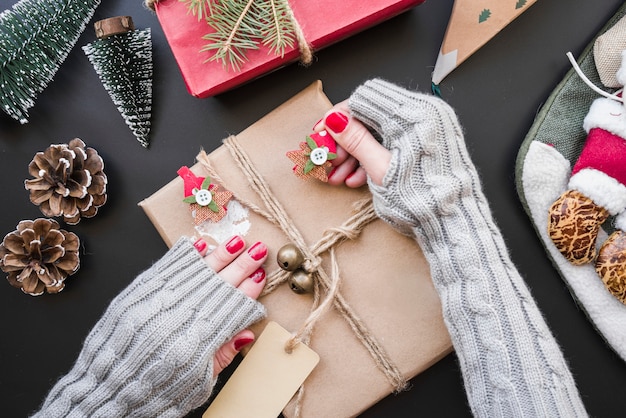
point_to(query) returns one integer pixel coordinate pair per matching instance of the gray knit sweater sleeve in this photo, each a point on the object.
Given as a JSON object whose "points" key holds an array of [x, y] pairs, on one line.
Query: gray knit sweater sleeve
{"points": [[151, 353], [511, 363]]}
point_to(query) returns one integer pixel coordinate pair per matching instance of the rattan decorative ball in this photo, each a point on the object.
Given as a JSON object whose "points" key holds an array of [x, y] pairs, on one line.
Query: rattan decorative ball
{"points": [[69, 181], [38, 256]]}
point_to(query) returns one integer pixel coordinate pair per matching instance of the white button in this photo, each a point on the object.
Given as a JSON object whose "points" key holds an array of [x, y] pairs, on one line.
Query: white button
{"points": [[203, 197], [319, 156]]}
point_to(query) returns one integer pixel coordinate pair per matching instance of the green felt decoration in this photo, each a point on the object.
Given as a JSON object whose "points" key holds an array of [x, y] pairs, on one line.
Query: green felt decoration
{"points": [[206, 183], [311, 143], [213, 206]]}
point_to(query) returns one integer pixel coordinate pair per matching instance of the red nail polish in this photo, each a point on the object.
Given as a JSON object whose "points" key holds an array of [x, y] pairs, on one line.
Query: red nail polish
{"points": [[316, 123], [242, 342], [337, 122], [258, 251], [332, 172], [200, 245], [235, 244], [258, 275]]}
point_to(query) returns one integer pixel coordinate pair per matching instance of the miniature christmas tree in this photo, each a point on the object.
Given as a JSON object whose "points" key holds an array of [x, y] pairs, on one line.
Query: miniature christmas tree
{"points": [[122, 57], [35, 38]]}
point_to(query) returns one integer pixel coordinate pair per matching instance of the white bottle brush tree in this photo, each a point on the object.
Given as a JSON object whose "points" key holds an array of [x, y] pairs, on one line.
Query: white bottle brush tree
{"points": [[122, 58], [35, 38]]}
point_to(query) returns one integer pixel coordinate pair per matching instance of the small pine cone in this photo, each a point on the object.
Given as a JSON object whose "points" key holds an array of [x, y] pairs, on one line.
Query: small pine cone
{"points": [[39, 256], [69, 181]]}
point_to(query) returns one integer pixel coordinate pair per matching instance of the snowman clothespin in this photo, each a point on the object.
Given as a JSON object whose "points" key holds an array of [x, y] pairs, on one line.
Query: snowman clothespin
{"points": [[313, 158], [206, 201]]}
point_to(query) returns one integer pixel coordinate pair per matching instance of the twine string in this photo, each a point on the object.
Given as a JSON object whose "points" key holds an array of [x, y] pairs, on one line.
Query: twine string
{"points": [[306, 51], [327, 283]]}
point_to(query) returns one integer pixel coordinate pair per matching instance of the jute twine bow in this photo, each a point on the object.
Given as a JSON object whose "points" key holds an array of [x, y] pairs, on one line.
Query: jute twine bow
{"points": [[323, 282], [306, 52]]}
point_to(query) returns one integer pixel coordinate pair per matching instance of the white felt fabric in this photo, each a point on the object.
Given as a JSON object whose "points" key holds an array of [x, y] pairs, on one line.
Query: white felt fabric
{"points": [[545, 175]]}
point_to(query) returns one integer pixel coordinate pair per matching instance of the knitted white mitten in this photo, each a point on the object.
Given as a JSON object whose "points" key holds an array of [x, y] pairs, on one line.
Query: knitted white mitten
{"points": [[511, 363], [151, 354]]}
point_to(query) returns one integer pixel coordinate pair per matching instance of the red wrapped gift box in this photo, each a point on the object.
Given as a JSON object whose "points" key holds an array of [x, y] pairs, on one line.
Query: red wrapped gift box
{"points": [[323, 23]]}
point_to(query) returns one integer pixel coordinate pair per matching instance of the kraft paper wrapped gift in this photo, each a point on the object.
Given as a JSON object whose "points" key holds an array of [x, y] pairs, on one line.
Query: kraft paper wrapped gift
{"points": [[323, 23], [384, 277]]}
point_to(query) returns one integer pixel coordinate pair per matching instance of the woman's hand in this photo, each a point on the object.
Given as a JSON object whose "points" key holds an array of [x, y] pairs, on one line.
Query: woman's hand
{"points": [[243, 269], [359, 155]]}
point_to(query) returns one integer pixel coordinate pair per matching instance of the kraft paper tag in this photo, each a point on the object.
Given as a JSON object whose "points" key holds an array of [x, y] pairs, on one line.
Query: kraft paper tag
{"points": [[266, 379]]}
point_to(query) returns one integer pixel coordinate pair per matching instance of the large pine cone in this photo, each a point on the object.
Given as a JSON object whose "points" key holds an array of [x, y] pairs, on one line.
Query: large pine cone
{"points": [[69, 181], [39, 256]]}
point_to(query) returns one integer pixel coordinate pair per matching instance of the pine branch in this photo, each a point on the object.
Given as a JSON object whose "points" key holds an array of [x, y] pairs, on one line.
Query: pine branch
{"points": [[200, 8], [280, 33], [35, 38], [236, 32], [242, 25]]}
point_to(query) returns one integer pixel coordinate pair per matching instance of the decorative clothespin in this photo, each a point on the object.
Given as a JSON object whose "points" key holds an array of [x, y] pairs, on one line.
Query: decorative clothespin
{"points": [[314, 156], [206, 201]]}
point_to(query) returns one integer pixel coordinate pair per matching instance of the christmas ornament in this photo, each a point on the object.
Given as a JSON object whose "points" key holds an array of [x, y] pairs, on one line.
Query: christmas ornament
{"points": [[38, 256], [313, 158], [596, 190], [543, 169], [69, 181], [122, 58], [301, 282], [289, 257], [206, 201], [35, 38]]}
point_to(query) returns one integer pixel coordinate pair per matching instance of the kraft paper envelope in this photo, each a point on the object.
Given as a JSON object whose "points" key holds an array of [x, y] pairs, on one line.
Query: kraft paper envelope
{"points": [[472, 24]]}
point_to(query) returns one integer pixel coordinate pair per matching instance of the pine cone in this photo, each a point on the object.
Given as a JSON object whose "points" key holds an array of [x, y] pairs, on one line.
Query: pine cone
{"points": [[39, 256], [69, 181]]}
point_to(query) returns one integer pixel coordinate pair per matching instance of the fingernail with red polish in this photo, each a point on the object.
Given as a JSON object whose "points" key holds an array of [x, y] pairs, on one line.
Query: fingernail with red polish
{"points": [[337, 122], [258, 251], [332, 172], [235, 244], [258, 276], [316, 123], [242, 342], [200, 245]]}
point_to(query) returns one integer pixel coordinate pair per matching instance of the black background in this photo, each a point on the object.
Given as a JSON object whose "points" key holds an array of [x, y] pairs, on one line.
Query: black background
{"points": [[496, 92]]}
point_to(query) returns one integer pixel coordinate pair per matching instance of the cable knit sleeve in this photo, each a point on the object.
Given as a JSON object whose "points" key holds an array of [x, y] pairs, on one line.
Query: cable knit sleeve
{"points": [[151, 354], [511, 363]]}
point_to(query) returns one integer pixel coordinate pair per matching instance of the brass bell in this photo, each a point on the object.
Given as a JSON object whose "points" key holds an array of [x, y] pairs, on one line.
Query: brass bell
{"points": [[301, 282], [289, 257]]}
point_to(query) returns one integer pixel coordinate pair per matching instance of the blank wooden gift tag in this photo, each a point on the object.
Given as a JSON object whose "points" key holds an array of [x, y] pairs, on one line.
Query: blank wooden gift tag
{"points": [[266, 379]]}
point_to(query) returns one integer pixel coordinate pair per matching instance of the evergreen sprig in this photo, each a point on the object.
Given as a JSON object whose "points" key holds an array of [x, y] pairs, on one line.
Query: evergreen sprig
{"points": [[35, 38], [241, 25], [200, 8]]}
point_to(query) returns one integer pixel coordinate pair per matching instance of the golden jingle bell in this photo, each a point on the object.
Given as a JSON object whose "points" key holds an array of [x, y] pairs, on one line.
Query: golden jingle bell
{"points": [[301, 282], [289, 257]]}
